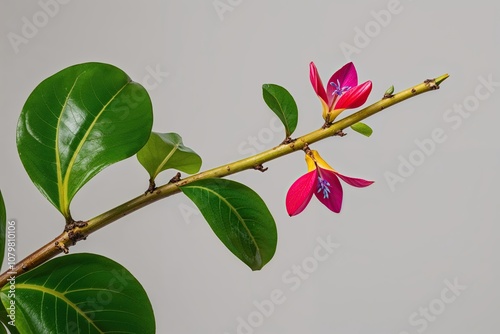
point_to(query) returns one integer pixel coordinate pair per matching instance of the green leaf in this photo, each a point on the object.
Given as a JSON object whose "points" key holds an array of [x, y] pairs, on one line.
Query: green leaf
{"points": [[362, 128], [3, 228], [78, 122], [7, 323], [80, 293], [283, 105], [166, 150], [238, 216]]}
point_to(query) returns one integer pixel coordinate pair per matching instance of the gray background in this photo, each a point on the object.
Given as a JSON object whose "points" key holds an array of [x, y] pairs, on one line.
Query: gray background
{"points": [[397, 246]]}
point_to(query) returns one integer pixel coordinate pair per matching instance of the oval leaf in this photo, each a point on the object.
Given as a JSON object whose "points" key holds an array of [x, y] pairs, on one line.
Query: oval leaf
{"points": [[166, 150], [362, 128], [3, 228], [76, 123], [238, 216], [8, 321], [283, 105], [80, 293]]}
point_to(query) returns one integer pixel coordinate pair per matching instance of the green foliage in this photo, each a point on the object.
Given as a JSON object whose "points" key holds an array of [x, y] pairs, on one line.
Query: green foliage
{"points": [[362, 128], [80, 293], [78, 122], [238, 216], [283, 105], [7, 324], [166, 150]]}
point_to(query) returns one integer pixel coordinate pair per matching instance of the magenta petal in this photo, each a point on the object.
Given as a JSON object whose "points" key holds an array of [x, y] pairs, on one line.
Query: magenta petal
{"points": [[332, 200], [317, 83], [346, 77], [355, 97], [300, 193], [360, 183]]}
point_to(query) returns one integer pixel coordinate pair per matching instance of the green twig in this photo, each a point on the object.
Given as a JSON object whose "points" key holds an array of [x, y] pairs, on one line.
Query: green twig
{"points": [[80, 231]]}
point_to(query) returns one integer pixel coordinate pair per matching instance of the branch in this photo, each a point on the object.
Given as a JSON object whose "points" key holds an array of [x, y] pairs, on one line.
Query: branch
{"points": [[80, 230]]}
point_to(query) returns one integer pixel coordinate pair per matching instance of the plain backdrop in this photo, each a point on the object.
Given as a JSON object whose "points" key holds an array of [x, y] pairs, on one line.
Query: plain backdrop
{"points": [[399, 247]]}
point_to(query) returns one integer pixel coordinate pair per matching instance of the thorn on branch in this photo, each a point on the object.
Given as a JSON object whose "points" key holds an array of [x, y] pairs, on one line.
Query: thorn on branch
{"points": [[327, 125], [76, 236], [176, 178], [71, 226], [72, 235], [340, 133], [151, 188], [260, 168], [306, 148], [62, 247], [288, 140], [431, 83]]}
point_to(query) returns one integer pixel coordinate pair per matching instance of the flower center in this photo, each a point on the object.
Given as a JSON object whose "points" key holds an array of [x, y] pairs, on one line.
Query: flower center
{"points": [[339, 90], [324, 187]]}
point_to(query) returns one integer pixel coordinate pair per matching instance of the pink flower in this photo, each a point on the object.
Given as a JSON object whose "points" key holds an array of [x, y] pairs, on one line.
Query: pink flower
{"points": [[342, 91], [322, 181]]}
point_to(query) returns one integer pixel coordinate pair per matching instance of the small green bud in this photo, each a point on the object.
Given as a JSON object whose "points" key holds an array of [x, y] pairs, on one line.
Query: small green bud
{"points": [[388, 92]]}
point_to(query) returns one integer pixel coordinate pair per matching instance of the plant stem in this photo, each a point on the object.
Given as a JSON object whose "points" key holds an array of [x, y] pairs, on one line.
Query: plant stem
{"points": [[80, 231]]}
